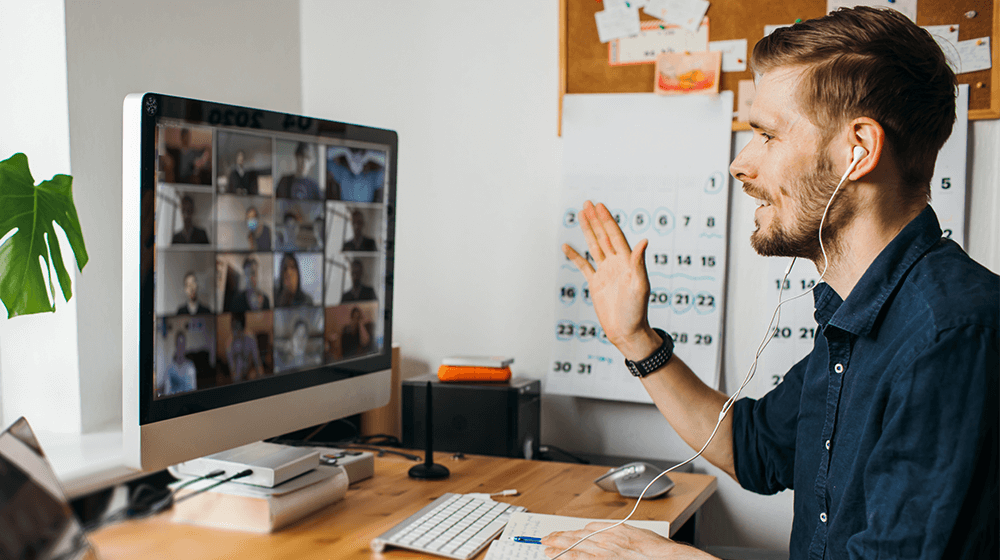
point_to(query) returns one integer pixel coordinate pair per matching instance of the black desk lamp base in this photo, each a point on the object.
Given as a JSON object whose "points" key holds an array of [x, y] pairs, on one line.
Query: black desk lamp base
{"points": [[432, 471]]}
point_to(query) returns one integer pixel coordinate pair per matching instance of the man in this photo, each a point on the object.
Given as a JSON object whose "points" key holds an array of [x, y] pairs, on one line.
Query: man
{"points": [[189, 233], [252, 298], [888, 429], [243, 353], [241, 181], [181, 376], [258, 234], [358, 291], [359, 242], [300, 186], [192, 306]]}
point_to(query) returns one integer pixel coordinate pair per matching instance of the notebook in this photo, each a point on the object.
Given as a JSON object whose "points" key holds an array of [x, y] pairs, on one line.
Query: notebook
{"points": [[540, 525]]}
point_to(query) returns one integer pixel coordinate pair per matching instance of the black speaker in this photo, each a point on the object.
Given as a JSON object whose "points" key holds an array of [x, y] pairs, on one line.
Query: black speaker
{"points": [[500, 419]]}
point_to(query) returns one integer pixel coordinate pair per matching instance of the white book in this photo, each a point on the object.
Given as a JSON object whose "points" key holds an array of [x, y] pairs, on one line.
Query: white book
{"points": [[478, 361], [540, 525]]}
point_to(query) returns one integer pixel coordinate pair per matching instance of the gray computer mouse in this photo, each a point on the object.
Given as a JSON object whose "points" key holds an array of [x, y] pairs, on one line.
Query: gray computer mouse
{"points": [[629, 480]]}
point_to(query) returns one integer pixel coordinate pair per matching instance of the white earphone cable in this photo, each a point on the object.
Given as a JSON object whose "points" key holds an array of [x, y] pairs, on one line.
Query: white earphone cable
{"points": [[771, 327]]}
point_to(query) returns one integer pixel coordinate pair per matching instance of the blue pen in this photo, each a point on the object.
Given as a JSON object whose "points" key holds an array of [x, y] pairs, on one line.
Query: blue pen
{"points": [[529, 540]]}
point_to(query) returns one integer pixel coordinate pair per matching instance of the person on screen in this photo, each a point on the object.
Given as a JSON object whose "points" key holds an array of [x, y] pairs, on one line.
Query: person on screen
{"points": [[355, 176], [189, 233], [181, 376], [294, 352], [252, 298], [359, 242], [300, 186], [192, 163], [258, 234], [243, 352], [356, 336], [289, 281], [240, 179], [192, 306], [358, 291]]}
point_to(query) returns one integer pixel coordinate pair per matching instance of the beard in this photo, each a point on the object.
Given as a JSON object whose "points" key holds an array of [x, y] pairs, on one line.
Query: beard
{"points": [[800, 237]]}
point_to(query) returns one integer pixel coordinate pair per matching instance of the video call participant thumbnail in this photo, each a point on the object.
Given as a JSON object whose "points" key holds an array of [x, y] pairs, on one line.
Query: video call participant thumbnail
{"points": [[350, 330], [359, 242], [189, 232], [253, 297], [298, 284], [258, 234], [358, 291], [302, 184], [355, 174], [193, 305], [185, 354], [243, 353], [298, 338], [189, 156]]}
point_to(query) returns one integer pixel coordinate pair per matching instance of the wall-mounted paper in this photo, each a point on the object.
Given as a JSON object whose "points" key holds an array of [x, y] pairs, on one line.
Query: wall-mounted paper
{"points": [[616, 23], [946, 37], [906, 7], [745, 94], [974, 55], [686, 73], [686, 13], [734, 54], [768, 29], [654, 38]]}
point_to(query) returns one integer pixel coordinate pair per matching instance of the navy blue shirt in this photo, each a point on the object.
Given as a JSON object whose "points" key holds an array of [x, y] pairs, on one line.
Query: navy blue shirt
{"points": [[887, 431]]}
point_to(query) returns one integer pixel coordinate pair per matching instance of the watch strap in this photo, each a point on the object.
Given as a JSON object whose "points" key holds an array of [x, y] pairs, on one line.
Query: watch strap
{"points": [[656, 360]]}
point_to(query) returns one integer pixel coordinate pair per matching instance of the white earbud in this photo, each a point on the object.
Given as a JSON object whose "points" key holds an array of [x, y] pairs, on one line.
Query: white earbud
{"points": [[859, 153]]}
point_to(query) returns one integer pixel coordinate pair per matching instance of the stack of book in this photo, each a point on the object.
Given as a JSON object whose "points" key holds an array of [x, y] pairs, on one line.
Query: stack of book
{"points": [[475, 368]]}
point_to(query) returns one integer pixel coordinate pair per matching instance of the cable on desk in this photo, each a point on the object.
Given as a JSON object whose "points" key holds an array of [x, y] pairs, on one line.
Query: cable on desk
{"points": [[546, 448], [145, 501]]}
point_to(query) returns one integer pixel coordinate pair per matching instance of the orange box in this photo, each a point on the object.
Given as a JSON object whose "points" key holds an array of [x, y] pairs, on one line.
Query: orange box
{"points": [[472, 373]]}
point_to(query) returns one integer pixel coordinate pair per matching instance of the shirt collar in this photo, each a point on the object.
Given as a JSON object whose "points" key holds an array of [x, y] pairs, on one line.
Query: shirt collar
{"points": [[861, 309]]}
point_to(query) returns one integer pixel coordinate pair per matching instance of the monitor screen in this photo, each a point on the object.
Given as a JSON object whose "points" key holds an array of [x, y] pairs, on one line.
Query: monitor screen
{"points": [[265, 249]]}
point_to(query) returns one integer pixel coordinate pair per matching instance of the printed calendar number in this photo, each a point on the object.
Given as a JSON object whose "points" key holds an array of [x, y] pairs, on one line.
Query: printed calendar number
{"points": [[567, 367], [567, 294], [569, 218], [565, 330]]}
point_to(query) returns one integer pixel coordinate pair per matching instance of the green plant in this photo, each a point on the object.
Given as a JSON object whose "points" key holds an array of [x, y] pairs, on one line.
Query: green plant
{"points": [[31, 210]]}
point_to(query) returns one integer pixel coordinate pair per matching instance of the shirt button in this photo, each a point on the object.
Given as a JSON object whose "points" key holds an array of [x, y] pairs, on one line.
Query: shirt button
{"points": [[827, 445], [839, 368], [822, 517]]}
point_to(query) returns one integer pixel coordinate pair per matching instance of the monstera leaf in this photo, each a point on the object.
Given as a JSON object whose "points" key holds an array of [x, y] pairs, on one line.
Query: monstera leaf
{"points": [[32, 210]]}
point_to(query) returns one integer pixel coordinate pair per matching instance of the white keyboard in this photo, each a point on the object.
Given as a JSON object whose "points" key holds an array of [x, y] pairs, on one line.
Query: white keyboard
{"points": [[454, 526]]}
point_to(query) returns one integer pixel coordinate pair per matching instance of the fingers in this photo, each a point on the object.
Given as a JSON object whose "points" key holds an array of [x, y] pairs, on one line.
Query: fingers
{"points": [[585, 217], [615, 239], [580, 262], [639, 254]]}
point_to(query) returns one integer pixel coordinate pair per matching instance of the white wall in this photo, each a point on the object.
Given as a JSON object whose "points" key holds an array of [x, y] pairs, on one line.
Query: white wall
{"points": [[472, 91], [38, 353], [244, 53]]}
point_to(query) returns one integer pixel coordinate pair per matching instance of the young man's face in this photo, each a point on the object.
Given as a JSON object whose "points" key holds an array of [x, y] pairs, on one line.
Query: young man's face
{"points": [[191, 287], [786, 167]]}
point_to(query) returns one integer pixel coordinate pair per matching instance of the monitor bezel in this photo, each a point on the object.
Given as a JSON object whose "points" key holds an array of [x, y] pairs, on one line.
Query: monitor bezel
{"points": [[154, 107]]}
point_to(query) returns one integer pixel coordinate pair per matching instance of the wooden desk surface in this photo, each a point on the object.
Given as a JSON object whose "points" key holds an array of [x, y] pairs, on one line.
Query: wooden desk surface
{"points": [[344, 529]]}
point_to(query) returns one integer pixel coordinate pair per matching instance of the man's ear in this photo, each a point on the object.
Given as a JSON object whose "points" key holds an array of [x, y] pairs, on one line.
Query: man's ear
{"points": [[870, 135]]}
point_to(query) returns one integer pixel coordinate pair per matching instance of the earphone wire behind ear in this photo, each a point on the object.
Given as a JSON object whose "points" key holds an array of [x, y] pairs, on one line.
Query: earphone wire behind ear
{"points": [[858, 153]]}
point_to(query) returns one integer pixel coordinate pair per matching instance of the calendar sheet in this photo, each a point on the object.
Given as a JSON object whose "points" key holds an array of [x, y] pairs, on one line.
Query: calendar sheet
{"points": [[660, 165], [797, 328]]}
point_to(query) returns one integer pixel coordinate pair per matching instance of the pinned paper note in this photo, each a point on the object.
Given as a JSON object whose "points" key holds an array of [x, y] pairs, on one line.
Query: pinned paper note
{"points": [[768, 29], [745, 94], [685, 13], [946, 36], [906, 7], [615, 23], [974, 55], [680, 73], [734, 54], [612, 4], [656, 37]]}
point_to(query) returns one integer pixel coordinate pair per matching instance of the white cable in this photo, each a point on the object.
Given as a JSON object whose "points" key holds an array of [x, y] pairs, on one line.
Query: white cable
{"points": [[775, 316]]}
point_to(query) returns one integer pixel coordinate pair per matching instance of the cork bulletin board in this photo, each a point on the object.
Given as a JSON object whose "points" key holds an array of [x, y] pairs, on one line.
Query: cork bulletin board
{"points": [[584, 64]]}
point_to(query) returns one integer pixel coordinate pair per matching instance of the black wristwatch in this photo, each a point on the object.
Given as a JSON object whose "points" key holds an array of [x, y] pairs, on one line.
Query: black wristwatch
{"points": [[656, 360]]}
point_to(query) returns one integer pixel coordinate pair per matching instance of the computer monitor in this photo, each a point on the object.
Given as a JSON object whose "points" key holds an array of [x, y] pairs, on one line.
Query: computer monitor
{"points": [[257, 252]]}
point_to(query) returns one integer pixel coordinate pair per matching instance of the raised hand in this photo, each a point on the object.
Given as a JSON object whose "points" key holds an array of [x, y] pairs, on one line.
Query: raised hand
{"points": [[619, 285]]}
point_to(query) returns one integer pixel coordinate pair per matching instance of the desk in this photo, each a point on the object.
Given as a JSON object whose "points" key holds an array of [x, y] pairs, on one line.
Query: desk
{"points": [[344, 529]]}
